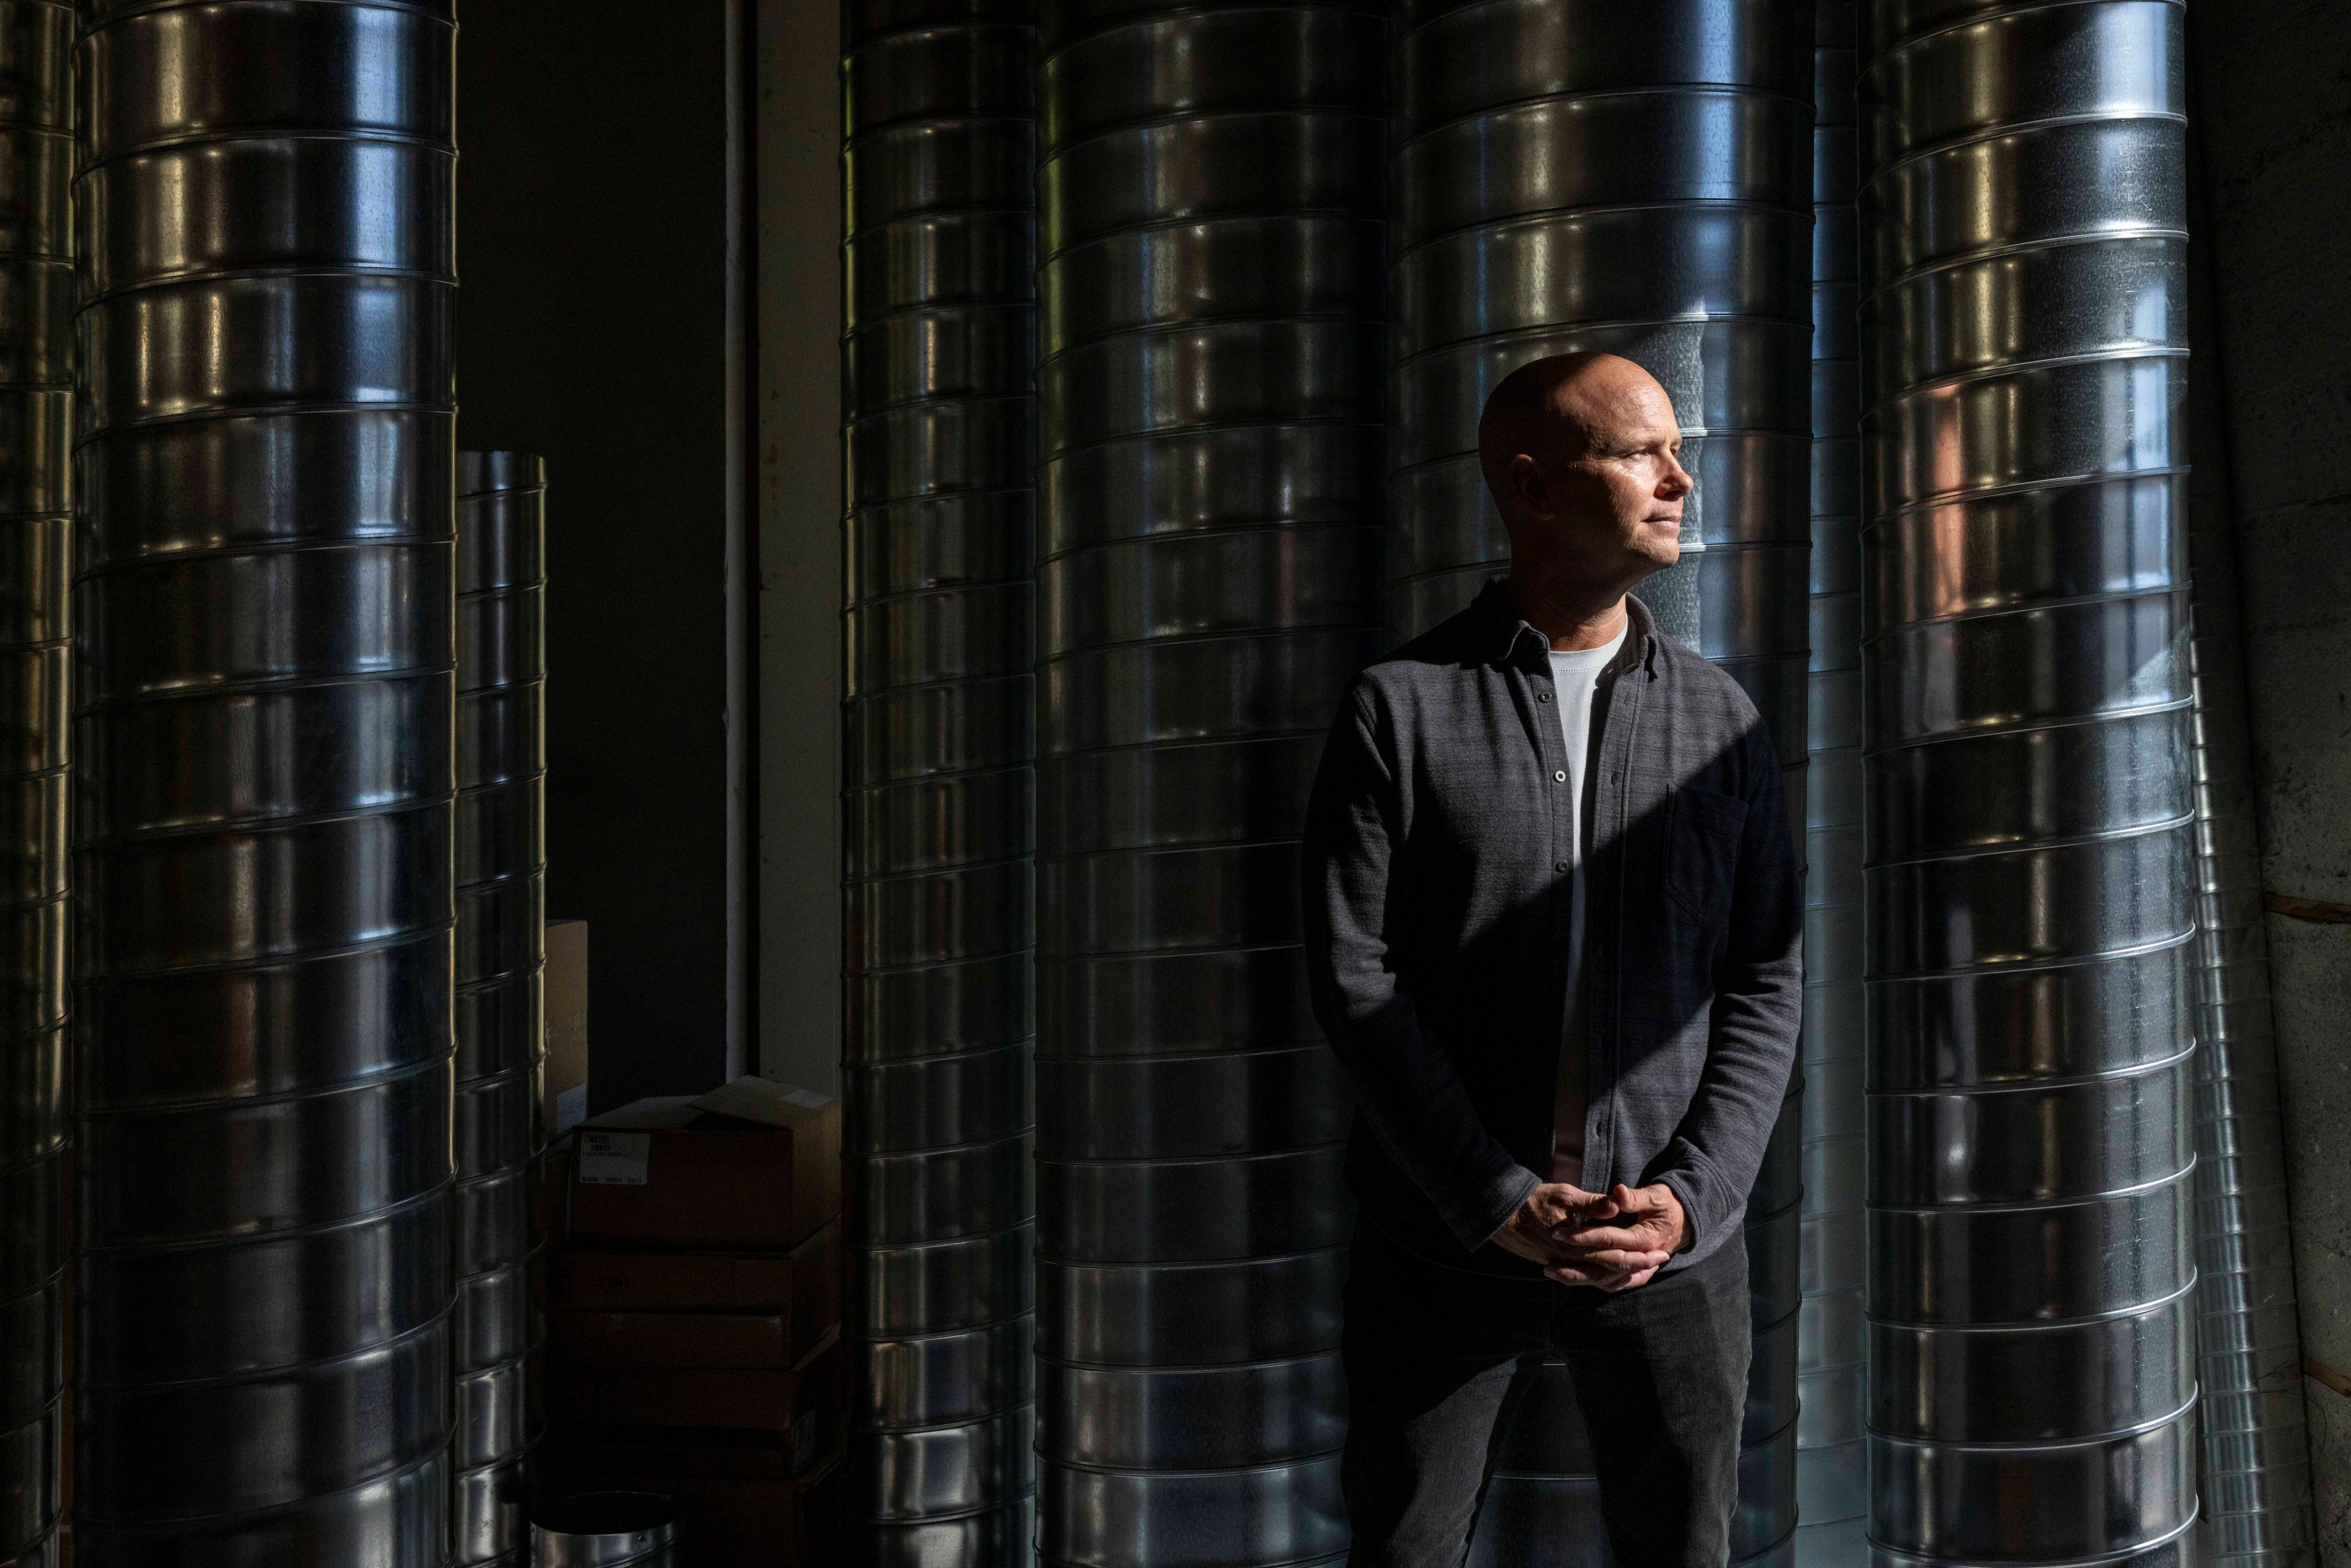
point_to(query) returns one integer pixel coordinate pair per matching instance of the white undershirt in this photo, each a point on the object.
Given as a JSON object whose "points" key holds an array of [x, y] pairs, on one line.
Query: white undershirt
{"points": [[1576, 678]]}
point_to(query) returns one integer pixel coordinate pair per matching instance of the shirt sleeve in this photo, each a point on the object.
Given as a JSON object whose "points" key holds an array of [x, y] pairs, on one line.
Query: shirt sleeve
{"points": [[1757, 1019], [1406, 1089]]}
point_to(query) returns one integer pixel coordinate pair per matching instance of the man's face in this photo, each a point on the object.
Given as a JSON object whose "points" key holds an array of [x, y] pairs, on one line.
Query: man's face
{"points": [[1615, 506]]}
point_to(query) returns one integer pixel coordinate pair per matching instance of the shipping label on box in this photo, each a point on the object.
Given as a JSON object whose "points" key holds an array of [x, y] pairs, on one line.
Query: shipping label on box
{"points": [[614, 1159], [750, 1166]]}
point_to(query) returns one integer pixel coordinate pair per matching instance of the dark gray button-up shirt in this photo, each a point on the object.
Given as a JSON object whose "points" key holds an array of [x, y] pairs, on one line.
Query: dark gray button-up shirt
{"points": [[1436, 931]]}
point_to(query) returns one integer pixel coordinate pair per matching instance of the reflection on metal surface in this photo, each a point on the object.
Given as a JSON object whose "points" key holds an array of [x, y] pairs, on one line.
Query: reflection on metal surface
{"points": [[607, 1529], [2029, 811], [263, 647], [1576, 174], [938, 368], [501, 968], [36, 404], [1211, 299], [1831, 1483]]}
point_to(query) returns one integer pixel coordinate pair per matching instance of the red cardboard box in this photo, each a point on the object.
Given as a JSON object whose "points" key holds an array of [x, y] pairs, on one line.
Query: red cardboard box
{"points": [[564, 1082], [751, 1165], [671, 1339], [804, 1283], [758, 1524], [726, 1521], [802, 1404]]}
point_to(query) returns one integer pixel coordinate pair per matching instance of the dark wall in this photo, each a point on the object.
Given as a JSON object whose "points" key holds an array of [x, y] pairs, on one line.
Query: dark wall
{"points": [[591, 210], [2273, 104]]}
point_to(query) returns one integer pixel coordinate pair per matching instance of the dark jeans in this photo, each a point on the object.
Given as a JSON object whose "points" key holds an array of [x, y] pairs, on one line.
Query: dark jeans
{"points": [[1439, 1361]]}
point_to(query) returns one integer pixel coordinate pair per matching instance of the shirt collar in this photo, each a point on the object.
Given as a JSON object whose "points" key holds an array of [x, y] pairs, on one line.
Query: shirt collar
{"points": [[1506, 630]]}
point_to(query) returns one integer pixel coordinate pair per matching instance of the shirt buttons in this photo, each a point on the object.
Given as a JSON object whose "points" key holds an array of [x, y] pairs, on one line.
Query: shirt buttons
{"points": [[1558, 866], [1559, 777], [1542, 696]]}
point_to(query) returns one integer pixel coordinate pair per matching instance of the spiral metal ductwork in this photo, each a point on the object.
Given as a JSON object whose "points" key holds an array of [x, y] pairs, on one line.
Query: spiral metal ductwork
{"points": [[36, 293], [1831, 1483], [2030, 814], [938, 99], [264, 688], [1632, 177], [500, 1002], [1212, 338]]}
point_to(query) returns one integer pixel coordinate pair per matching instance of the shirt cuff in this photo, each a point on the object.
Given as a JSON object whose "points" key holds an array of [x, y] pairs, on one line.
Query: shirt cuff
{"points": [[1475, 1226], [1683, 1189]]}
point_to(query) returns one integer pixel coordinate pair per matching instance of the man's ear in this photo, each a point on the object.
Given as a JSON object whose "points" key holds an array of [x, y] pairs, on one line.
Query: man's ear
{"points": [[1526, 480]]}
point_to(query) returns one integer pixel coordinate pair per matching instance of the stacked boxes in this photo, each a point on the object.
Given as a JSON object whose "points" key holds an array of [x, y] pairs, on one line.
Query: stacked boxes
{"points": [[695, 1328]]}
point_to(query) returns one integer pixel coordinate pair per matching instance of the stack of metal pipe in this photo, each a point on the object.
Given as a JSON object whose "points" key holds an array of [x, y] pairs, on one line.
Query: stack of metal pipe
{"points": [[263, 602], [36, 293], [2029, 811], [1210, 410], [501, 873], [1832, 1485], [938, 108], [1577, 175]]}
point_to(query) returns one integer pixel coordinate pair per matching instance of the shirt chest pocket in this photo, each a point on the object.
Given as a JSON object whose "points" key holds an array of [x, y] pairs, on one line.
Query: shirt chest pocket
{"points": [[1702, 833]]}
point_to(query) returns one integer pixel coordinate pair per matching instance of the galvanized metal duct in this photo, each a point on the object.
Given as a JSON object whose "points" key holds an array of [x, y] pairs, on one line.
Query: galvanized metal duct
{"points": [[36, 410], [1211, 398], [1832, 1480], [500, 1002], [2030, 811], [1601, 175], [264, 689], [35, 401], [939, 381]]}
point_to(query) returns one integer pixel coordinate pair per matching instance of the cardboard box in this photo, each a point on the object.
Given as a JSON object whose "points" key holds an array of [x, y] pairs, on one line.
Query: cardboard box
{"points": [[671, 1339], [802, 1288], [595, 1454], [565, 987], [553, 1193], [726, 1521], [802, 1405], [750, 1167], [760, 1524]]}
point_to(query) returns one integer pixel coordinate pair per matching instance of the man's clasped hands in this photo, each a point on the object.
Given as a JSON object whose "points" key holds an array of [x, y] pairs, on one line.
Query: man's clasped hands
{"points": [[1612, 1240]]}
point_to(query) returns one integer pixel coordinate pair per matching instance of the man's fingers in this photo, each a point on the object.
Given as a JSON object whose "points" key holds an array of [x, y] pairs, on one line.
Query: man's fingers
{"points": [[1567, 1274], [1636, 1200], [1597, 1238], [1609, 1270], [1626, 1282], [1622, 1262], [1632, 1282]]}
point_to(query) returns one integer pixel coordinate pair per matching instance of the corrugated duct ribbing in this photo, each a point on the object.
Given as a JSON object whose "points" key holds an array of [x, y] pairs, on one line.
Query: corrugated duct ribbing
{"points": [[264, 689], [1209, 392], [939, 394], [2029, 814], [500, 993], [1597, 174], [36, 293], [1831, 1495]]}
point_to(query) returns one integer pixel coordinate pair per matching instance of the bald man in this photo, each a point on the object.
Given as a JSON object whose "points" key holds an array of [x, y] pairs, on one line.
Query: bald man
{"points": [[1554, 931]]}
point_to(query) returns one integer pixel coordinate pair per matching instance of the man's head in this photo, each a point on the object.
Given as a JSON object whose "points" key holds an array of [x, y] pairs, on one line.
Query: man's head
{"points": [[1583, 454]]}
